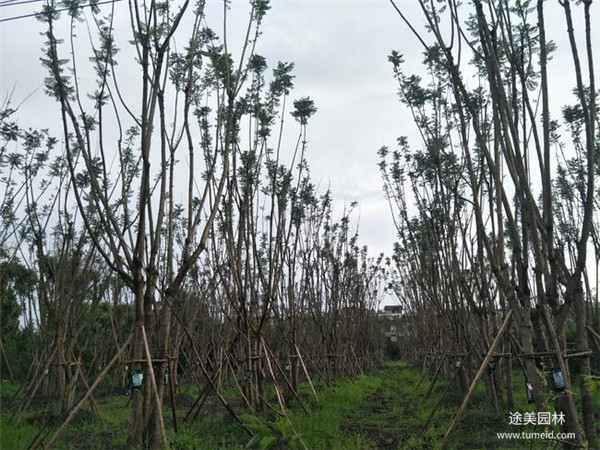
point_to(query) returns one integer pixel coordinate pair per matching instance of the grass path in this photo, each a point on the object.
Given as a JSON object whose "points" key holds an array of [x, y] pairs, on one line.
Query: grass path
{"points": [[386, 409], [386, 418], [382, 410]]}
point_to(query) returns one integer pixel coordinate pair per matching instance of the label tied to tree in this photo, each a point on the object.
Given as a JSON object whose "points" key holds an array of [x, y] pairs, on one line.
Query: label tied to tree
{"points": [[559, 380], [137, 380]]}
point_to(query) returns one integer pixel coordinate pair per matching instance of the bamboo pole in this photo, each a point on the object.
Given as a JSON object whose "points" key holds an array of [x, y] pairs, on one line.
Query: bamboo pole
{"points": [[81, 402], [205, 372], [437, 373], [277, 392], [294, 393], [87, 386], [10, 372], [246, 401], [317, 369], [565, 372], [479, 374], [38, 383], [356, 361], [439, 401], [158, 403], [172, 395], [306, 372]]}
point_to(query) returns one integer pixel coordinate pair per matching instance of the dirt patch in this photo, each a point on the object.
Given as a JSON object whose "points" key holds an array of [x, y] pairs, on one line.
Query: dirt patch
{"points": [[183, 400], [101, 440], [375, 421]]}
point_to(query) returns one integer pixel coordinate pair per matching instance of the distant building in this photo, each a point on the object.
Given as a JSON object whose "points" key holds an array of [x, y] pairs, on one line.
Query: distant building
{"points": [[390, 312], [389, 316]]}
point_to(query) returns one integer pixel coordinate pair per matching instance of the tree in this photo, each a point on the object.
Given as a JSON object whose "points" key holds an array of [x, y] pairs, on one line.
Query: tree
{"points": [[135, 206], [500, 127]]}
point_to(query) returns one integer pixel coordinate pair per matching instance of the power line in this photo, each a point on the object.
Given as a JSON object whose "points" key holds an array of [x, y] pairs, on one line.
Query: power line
{"points": [[15, 2], [8, 19]]}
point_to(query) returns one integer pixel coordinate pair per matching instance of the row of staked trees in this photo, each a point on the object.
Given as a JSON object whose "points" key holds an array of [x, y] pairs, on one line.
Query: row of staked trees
{"points": [[167, 227], [496, 208]]}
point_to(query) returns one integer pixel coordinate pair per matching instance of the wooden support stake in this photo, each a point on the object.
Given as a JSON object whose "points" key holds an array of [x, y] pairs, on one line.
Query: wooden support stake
{"points": [[357, 362], [81, 402], [158, 405], [479, 374], [10, 372], [294, 393], [38, 382], [306, 372], [172, 395], [437, 373], [87, 386], [317, 369], [277, 392], [565, 372], [439, 402], [238, 385]]}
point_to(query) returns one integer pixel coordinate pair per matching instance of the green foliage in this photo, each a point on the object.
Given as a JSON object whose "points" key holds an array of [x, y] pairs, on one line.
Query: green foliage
{"points": [[283, 80], [264, 437], [19, 350], [304, 108], [16, 284], [260, 8], [594, 382], [58, 85]]}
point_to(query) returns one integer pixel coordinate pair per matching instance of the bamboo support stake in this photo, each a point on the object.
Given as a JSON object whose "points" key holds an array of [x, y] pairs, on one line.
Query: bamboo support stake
{"points": [[204, 395], [439, 401], [578, 354], [356, 361], [197, 406], [33, 367], [277, 392], [437, 373], [211, 382], [158, 405], [263, 398], [172, 395], [565, 372], [317, 369], [246, 401], [38, 382], [479, 374], [87, 386], [81, 402], [205, 372], [293, 391], [591, 330], [306, 372], [10, 372]]}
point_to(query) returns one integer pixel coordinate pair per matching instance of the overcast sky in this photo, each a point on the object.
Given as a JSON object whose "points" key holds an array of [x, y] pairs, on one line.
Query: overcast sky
{"points": [[340, 53]]}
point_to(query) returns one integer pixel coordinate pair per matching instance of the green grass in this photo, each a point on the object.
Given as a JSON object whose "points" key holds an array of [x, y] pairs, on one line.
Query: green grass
{"points": [[323, 425], [9, 390], [382, 409]]}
